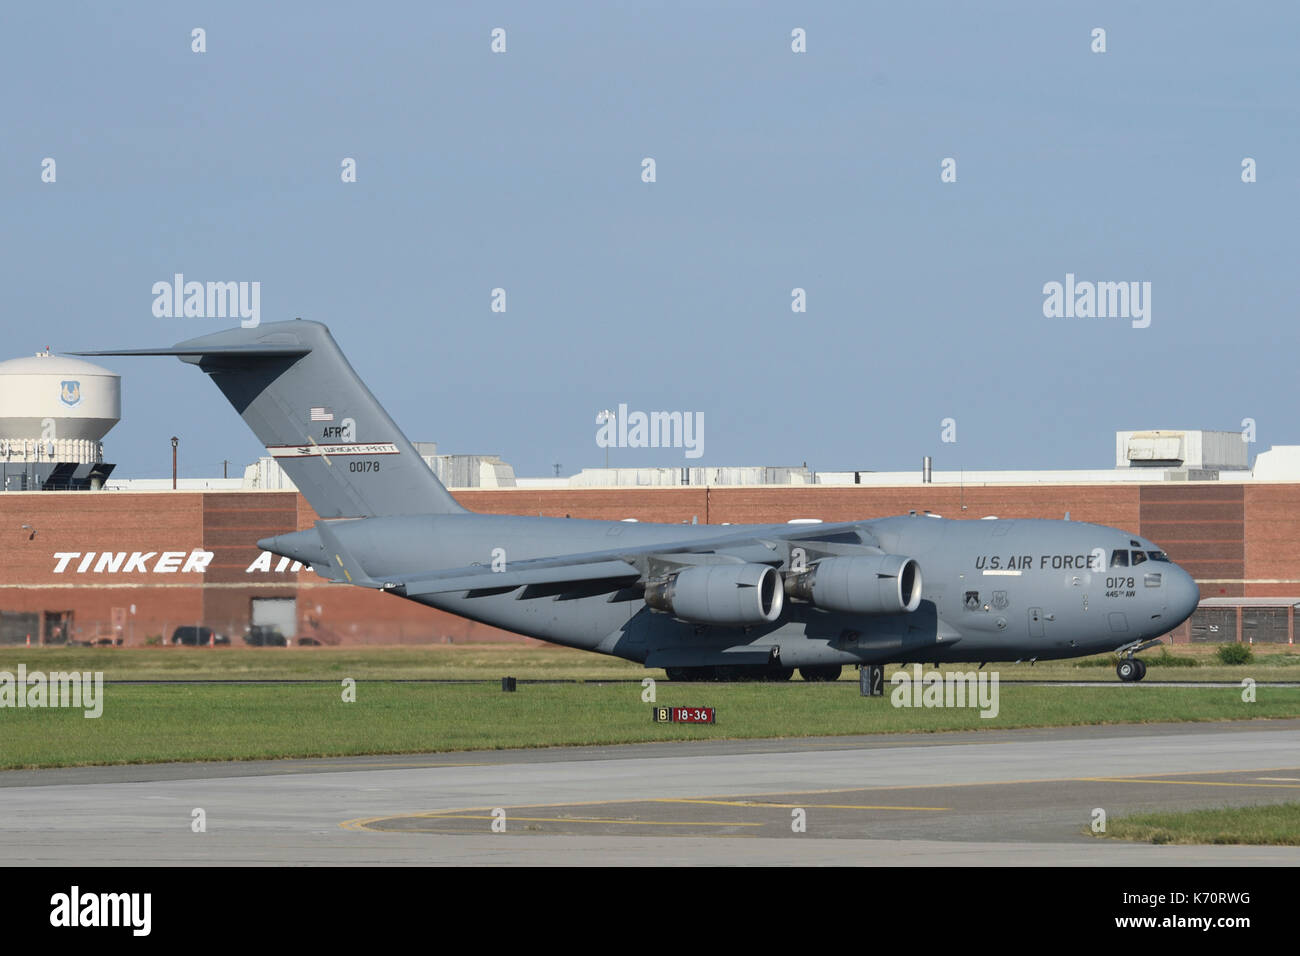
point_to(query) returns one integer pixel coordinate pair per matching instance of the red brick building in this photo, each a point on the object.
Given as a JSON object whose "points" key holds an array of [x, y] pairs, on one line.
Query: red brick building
{"points": [[136, 565]]}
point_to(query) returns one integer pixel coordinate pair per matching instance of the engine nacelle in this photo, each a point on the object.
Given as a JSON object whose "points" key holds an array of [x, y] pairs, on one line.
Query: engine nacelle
{"points": [[733, 595], [868, 584]]}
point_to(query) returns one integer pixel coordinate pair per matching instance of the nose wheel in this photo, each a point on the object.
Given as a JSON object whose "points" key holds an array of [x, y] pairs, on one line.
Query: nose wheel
{"points": [[1131, 669]]}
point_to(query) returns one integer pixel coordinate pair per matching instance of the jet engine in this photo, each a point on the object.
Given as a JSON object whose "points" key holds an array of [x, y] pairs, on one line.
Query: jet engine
{"points": [[867, 584], [732, 595]]}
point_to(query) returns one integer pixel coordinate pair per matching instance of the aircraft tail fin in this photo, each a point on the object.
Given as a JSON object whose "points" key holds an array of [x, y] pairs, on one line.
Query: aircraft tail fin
{"points": [[303, 400]]}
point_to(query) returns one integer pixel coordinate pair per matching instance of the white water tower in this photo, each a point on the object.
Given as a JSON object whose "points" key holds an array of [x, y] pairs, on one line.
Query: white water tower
{"points": [[54, 413]]}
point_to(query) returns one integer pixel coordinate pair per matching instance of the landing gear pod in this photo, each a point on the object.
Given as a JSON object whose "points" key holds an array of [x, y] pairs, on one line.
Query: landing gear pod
{"points": [[869, 584], [733, 595]]}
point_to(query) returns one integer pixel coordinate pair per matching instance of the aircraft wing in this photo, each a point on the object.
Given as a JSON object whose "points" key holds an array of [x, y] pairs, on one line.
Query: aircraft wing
{"points": [[618, 567], [471, 579]]}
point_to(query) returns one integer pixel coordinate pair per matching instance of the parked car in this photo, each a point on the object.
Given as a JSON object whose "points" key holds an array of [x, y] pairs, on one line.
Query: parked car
{"points": [[192, 636], [265, 635]]}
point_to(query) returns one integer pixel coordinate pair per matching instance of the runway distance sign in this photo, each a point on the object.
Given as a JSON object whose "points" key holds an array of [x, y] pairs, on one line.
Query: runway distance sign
{"points": [[685, 715]]}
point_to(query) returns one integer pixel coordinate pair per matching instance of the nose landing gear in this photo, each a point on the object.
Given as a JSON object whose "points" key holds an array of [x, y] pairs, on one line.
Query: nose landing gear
{"points": [[1129, 668]]}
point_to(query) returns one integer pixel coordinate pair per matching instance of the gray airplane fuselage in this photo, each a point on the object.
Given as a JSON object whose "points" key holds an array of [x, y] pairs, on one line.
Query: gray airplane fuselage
{"points": [[993, 590], [693, 599]]}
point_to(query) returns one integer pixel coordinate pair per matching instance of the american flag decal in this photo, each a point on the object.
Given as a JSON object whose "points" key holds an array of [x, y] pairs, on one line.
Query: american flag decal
{"points": [[322, 413]]}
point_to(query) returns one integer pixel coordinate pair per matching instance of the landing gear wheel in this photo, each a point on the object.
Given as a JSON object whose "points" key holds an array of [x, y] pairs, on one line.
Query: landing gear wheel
{"points": [[689, 674], [782, 673], [1142, 668], [827, 673], [1128, 670]]}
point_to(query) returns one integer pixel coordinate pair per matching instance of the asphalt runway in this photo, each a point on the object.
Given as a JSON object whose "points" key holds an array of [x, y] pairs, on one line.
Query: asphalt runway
{"points": [[1019, 797], [1108, 682]]}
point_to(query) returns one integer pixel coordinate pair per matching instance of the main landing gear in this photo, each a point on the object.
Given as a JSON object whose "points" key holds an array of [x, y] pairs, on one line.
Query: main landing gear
{"points": [[828, 672], [753, 672], [730, 672]]}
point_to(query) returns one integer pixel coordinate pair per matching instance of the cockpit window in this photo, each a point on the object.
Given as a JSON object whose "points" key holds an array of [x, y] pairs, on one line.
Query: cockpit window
{"points": [[1119, 559], [1138, 558], [1157, 556]]}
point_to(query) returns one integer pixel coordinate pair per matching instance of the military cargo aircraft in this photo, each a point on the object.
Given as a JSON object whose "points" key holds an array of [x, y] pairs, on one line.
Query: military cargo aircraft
{"points": [[703, 602]]}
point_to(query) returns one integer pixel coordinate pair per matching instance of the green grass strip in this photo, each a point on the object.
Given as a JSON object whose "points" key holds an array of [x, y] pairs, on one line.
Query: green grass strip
{"points": [[1275, 825], [145, 724]]}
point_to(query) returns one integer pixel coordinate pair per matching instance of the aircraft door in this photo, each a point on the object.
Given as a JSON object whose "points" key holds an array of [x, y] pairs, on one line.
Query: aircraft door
{"points": [[1036, 622]]}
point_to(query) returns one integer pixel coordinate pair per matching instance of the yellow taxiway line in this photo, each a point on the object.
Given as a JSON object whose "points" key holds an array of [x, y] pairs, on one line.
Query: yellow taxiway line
{"points": [[362, 823], [1193, 783], [794, 806]]}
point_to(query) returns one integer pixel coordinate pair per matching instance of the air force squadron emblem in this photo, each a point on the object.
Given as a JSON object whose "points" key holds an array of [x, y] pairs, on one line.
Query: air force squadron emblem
{"points": [[70, 393]]}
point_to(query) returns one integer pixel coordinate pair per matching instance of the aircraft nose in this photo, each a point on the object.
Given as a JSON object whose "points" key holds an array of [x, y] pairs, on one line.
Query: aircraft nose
{"points": [[1183, 594]]}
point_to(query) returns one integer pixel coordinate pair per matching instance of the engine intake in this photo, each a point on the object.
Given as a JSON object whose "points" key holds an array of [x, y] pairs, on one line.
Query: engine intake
{"points": [[869, 584], [733, 595]]}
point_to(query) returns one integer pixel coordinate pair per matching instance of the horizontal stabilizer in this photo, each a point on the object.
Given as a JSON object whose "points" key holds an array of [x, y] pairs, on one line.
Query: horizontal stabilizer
{"points": [[234, 351], [294, 388], [343, 567]]}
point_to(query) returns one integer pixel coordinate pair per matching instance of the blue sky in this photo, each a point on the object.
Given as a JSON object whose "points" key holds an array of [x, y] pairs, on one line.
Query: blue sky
{"points": [[775, 170]]}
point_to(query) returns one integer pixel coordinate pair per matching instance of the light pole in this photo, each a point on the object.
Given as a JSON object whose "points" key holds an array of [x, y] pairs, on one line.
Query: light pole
{"points": [[175, 441], [605, 416]]}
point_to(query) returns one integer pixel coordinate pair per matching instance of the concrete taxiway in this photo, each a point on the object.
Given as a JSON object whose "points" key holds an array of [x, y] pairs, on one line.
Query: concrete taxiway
{"points": [[1020, 797]]}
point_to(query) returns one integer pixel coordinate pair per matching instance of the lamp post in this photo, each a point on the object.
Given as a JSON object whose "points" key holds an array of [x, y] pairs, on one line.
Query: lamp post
{"points": [[175, 441], [605, 416]]}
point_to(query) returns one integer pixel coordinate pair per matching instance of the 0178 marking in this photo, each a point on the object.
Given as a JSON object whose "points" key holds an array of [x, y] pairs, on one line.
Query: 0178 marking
{"points": [[1118, 587]]}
